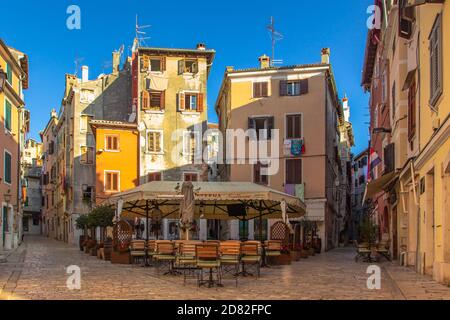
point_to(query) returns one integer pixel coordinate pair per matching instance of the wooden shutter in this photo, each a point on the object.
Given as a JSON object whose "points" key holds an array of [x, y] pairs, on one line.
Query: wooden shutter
{"points": [[163, 100], [293, 171], [181, 101], [163, 64], [270, 126], [412, 110], [256, 90], [283, 88], [145, 63], [8, 115], [304, 86], [180, 66], [264, 89], [436, 61], [158, 141], [200, 102], [8, 168], [389, 158], [145, 99], [195, 67]]}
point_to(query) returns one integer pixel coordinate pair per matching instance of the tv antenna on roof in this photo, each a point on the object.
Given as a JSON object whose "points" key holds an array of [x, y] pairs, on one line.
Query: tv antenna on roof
{"points": [[275, 36], [77, 63], [141, 35]]}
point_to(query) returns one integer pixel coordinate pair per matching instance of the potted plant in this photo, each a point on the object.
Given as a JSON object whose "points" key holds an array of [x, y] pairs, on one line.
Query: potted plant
{"points": [[296, 252], [81, 224], [285, 257], [100, 217]]}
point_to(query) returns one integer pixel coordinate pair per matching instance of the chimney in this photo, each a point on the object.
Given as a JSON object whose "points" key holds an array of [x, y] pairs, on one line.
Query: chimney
{"points": [[264, 62], [201, 46], [326, 55], [115, 61], [53, 114], [84, 74]]}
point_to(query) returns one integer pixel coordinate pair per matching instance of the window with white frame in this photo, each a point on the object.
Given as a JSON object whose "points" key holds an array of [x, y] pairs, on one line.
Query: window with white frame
{"points": [[155, 141], [84, 123], [111, 143], [190, 145], [112, 181]]}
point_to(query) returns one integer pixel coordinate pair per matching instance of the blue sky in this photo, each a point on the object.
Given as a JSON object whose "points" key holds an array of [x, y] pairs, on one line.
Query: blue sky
{"points": [[235, 29]]}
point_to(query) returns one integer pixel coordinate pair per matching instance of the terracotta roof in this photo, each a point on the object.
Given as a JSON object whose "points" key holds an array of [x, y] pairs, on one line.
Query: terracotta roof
{"points": [[295, 66], [106, 123]]}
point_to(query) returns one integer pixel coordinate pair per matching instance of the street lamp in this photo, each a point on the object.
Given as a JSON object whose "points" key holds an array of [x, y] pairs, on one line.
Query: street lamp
{"points": [[2, 79], [7, 199]]}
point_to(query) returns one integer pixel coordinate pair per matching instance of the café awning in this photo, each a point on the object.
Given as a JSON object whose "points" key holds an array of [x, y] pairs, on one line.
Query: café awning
{"points": [[213, 200], [379, 185]]}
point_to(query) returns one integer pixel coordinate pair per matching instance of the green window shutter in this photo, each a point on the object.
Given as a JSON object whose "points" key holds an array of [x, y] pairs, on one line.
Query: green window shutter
{"points": [[8, 119], [9, 73], [7, 167]]}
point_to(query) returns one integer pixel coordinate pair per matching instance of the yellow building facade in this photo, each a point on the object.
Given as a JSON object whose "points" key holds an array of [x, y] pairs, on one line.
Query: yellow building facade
{"points": [[432, 165], [116, 157]]}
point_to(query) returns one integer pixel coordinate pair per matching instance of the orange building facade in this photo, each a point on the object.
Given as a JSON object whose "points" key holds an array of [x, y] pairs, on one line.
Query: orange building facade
{"points": [[116, 157]]}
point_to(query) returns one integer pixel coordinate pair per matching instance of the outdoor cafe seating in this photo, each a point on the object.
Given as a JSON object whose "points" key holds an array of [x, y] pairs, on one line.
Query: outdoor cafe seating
{"points": [[371, 252], [187, 201]]}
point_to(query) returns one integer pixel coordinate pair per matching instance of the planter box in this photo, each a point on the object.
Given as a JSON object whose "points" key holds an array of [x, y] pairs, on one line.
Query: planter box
{"points": [[304, 254], [295, 255], [81, 241], [283, 259], [120, 258]]}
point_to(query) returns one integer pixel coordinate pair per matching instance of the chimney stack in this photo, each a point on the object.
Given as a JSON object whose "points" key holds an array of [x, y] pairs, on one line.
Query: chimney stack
{"points": [[116, 61], [326, 55], [201, 46], [84, 74], [264, 62]]}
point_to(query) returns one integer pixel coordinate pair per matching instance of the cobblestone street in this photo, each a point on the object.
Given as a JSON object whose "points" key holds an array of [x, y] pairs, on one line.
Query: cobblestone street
{"points": [[37, 270]]}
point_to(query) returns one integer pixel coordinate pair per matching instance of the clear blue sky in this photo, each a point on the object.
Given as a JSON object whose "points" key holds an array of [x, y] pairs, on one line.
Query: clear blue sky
{"points": [[235, 29]]}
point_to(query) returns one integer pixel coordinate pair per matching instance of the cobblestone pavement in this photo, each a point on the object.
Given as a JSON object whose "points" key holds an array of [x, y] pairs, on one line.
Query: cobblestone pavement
{"points": [[37, 270]]}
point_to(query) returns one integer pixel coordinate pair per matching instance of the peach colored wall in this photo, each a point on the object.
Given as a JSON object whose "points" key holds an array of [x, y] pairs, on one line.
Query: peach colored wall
{"points": [[311, 106]]}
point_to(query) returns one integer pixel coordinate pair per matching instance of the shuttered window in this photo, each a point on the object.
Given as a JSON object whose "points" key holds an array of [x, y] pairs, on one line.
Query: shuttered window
{"points": [[157, 100], [293, 171], [112, 181], [191, 102], [293, 126], [187, 66], [7, 167], [260, 89], [436, 72], [87, 155], [193, 177], [155, 141], [263, 127], [8, 113], [112, 143], [154, 176], [145, 100], [259, 175], [294, 88], [389, 158], [412, 110], [9, 75], [394, 100]]}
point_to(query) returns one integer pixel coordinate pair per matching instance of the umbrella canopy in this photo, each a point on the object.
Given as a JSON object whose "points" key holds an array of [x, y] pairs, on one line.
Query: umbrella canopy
{"points": [[187, 206], [213, 200]]}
